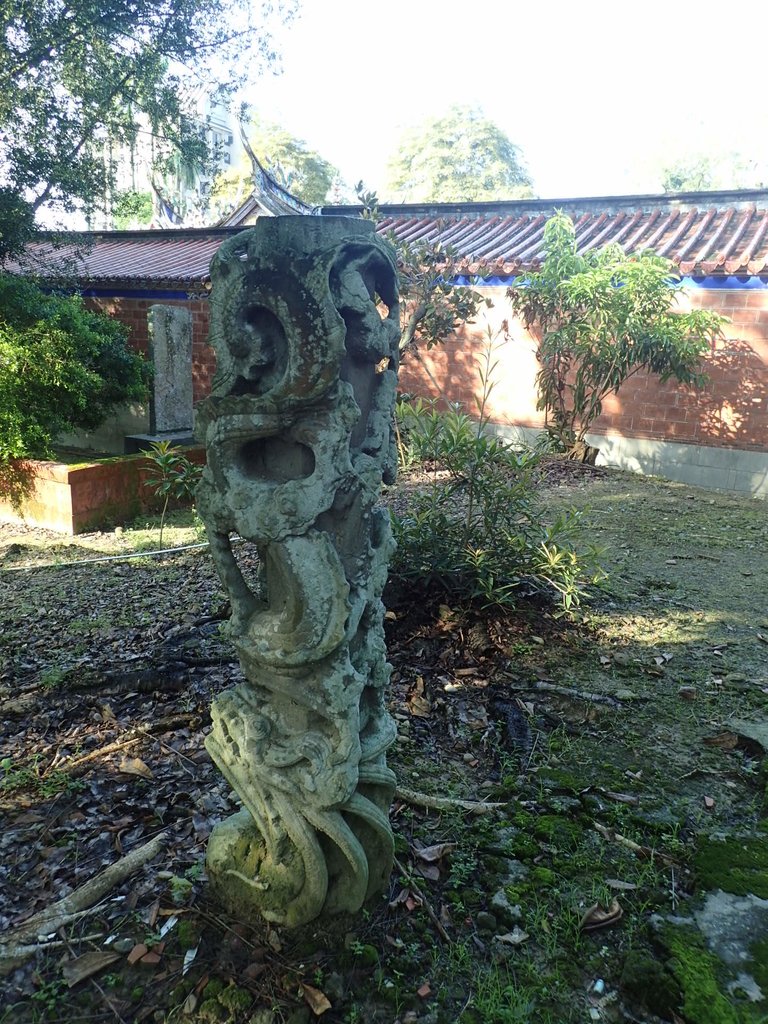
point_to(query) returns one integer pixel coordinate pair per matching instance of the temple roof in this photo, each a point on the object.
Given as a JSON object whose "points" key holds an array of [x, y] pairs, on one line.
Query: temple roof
{"points": [[703, 233], [163, 258]]}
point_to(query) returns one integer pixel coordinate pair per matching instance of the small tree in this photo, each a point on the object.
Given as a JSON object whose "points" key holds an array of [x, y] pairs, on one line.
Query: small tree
{"points": [[599, 319], [432, 306], [62, 368], [175, 476]]}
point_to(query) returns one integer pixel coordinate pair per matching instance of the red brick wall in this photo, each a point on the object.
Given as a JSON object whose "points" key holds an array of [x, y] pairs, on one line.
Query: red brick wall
{"points": [[731, 411], [134, 314]]}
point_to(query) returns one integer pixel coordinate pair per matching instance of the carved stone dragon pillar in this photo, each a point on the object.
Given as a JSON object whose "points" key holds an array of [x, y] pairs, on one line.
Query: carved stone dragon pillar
{"points": [[298, 432]]}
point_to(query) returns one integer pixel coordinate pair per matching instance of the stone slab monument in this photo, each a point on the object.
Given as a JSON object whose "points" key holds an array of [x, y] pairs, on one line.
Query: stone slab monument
{"points": [[170, 406], [298, 434], [170, 346]]}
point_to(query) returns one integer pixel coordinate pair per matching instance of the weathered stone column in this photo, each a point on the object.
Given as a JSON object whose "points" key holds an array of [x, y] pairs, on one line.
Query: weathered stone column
{"points": [[298, 431]]}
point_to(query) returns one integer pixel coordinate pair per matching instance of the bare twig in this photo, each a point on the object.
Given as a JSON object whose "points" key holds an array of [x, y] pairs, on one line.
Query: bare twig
{"points": [[567, 691], [132, 736], [26, 951], [642, 851], [73, 766], [427, 905]]}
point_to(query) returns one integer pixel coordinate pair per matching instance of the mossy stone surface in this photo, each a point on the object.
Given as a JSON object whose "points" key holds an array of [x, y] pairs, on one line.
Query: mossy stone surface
{"points": [[735, 864], [697, 972]]}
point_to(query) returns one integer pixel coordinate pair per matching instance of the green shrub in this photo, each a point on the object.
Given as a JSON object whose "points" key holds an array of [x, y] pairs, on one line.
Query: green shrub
{"points": [[477, 530], [599, 318], [62, 368]]}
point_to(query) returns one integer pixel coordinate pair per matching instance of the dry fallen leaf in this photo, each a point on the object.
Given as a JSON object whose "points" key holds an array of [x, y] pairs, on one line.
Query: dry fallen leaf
{"points": [[85, 966], [253, 971], [152, 914], [418, 704], [725, 740], [596, 917], [434, 853], [616, 883], [135, 766], [402, 897], [317, 1001]]}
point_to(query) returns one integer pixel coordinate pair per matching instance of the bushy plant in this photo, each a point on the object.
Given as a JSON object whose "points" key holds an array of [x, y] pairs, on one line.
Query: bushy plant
{"points": [[477, 530], [62, 367], [599, 318]]}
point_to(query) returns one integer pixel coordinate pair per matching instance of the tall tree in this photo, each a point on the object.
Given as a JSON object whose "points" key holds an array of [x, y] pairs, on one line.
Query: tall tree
{"points": [[432, 307], [77, 76], [461, 156], [705, 172], [301, 170]]}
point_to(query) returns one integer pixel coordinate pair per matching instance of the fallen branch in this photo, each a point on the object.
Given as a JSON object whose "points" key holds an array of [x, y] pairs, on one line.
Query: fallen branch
{"points": [[427, 906], [444, 803], [568, 691], [18, 943], [73, 767], [22, 952]]}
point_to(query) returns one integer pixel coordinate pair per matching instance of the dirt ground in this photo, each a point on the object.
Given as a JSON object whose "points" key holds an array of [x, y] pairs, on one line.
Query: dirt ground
{"points": [[625, 750]]}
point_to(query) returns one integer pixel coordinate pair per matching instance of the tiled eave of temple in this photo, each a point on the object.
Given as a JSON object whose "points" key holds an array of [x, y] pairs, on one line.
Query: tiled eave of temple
{"points": [[706, 234], [703, 233], [177, 258]]}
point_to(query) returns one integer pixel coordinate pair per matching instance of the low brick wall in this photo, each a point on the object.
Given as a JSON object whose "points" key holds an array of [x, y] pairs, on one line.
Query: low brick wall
{"points": [[87, 496]]}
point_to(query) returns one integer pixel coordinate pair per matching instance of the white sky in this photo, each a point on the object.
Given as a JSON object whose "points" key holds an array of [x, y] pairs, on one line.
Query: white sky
{"points": [[595, 93]]}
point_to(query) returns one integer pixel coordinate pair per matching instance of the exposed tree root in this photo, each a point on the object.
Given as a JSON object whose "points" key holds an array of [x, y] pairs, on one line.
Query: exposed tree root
{"points": [[444, 803]]}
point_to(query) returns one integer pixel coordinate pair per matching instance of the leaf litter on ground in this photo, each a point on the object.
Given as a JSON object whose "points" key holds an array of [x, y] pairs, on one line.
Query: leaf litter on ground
{"points": [[93, 658]]}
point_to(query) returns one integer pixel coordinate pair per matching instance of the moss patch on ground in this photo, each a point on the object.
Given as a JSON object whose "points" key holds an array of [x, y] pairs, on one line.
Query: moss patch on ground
{"points": [[736, 864]]}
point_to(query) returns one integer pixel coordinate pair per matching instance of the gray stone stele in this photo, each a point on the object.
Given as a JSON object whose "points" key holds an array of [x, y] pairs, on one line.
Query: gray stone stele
{"points": [[170, 348]]}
